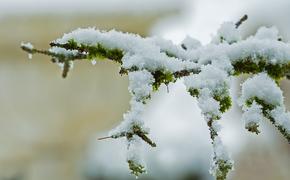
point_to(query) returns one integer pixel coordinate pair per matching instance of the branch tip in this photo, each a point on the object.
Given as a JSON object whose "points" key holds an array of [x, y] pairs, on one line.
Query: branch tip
{"points": [[240, 22], [102, 138]]}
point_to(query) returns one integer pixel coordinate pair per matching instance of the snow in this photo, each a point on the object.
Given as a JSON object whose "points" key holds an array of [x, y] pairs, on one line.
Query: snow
{"points": [[219, 154], [175, 154], [169, 46], [267, 33], [191, 43], [151, 53], [211, 81], [135, 150], [140, 87], [139, 52], [213, 62], [227, 32], [111, 39], [268, 49], [140, 84], [252, 115], [27, 45], [251, 47], [208, 105], [210, 77], [59, 50], [216, 126], [132, 117], [219, 149], [262, 87], [281, 117]]}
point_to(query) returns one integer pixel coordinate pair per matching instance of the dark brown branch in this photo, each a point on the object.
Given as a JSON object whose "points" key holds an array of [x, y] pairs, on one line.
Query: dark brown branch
{"points": [[136, 131], [102, 138], [240, 22]]}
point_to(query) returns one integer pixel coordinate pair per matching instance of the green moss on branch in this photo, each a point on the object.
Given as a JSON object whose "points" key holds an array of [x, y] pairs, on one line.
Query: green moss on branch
{"points": [[136, 169], [224, 99], [224, 167], [162, 77], [276, 71], [93, 51], [266, 109]]}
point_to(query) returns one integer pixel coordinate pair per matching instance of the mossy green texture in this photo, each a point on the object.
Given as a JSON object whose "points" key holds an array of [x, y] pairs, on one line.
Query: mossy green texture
{"points": [[248, 65], [162, 77], [138, 131], [265, 106], [224, 167], [136, 169], [193, 92], [143, 135], [225, 101], [97, 51], [266, 109]]}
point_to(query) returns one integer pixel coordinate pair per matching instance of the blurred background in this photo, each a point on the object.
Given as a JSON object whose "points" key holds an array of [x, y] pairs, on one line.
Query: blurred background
{"points": [[49, 125]]}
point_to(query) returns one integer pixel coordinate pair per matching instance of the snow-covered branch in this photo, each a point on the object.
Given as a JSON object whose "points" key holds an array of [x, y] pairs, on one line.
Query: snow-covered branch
{"points": [[207, 71]]}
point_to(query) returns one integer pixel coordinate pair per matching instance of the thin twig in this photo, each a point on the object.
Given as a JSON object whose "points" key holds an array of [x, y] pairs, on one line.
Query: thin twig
{"points": [[243, 19], [102, 138]]}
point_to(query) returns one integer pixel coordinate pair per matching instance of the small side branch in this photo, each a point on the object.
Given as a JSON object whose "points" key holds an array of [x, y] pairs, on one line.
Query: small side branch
{"points": [[221, 166], [60, 57], [240, 22], [136, 131], [102, 138], [92, 51]]}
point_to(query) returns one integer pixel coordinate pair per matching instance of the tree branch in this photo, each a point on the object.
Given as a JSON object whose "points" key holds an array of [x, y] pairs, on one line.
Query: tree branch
{"points": [[240, 22]]}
